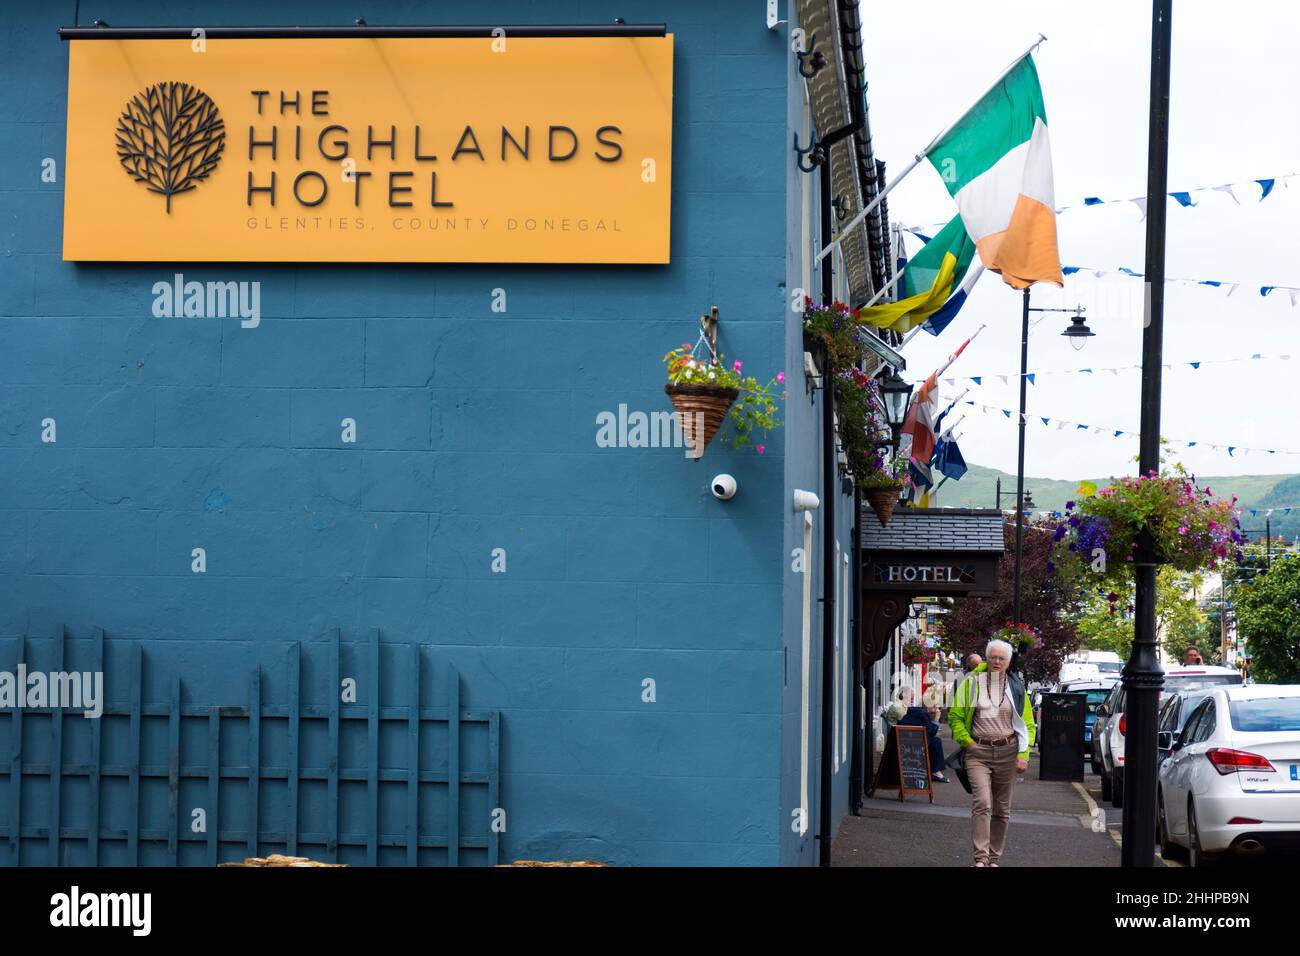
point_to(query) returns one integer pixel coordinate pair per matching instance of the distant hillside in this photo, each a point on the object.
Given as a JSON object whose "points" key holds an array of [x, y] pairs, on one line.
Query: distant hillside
{"points": [[977, 490]]}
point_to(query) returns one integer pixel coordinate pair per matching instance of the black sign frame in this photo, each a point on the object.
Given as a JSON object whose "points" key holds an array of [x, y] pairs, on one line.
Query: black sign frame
{"points": [[899, 772]]}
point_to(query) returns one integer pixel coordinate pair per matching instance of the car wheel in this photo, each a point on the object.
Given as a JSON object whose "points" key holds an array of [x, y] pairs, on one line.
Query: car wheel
{"points": [[1195, 855], [1105, 784], [1117, 788], [1168, 848], [1096, 764]]}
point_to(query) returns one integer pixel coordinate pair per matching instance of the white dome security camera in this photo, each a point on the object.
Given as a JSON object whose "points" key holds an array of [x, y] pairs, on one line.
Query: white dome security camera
{"points": [[723, 487]]}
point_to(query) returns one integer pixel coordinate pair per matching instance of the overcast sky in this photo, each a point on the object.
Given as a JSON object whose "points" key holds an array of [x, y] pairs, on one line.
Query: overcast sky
{"points": [[1234, 88]]}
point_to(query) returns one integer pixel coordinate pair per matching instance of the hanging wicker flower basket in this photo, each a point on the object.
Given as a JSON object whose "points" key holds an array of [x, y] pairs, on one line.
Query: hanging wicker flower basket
{"points": [[701, 408], [883, 500]]}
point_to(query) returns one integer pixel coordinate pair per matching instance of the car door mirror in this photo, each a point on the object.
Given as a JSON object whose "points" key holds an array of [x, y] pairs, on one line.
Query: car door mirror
{"points": [[1165, 740]]}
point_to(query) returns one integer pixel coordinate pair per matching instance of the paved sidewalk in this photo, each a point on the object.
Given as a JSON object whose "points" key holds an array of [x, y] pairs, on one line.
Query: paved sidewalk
{"points": [[1051, 825]]}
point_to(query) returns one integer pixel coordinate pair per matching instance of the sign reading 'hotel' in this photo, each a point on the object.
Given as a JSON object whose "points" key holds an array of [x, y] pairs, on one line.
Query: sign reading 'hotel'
{"points": [[370, 150], [923, 573]]}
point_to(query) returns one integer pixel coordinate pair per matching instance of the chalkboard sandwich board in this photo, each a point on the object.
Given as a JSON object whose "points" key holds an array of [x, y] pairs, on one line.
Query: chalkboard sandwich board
{"points": [[905, 764]]}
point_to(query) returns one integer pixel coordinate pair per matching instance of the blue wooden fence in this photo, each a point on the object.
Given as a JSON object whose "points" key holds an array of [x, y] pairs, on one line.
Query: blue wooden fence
{"points": [[408, 780]]}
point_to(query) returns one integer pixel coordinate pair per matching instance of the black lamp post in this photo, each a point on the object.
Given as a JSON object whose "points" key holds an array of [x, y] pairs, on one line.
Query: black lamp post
{"points": [[895, 393], [1078, 334], [1142, 675]]}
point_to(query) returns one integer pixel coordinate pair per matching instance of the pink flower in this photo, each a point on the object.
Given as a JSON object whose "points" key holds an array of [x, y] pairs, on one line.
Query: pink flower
{"points": [[759, 448], [1182, 529], [736, 367], [780, 376]]}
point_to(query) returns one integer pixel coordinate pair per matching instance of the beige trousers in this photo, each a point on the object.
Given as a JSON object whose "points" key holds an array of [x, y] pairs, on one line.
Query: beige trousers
{"points": [[992, 772]]}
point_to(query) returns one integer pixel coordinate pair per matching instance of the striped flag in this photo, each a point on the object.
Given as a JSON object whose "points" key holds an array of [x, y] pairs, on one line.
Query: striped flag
{"points": [[997, 164], [921, 416]]}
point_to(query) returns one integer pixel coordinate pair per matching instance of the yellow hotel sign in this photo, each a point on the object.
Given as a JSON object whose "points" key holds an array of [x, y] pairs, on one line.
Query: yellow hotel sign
{"points": [[370, 150]]}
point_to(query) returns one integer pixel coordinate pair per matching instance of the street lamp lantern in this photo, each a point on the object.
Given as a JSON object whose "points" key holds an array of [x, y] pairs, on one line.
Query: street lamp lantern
{"points": [[1078, 333], [896, 393]]}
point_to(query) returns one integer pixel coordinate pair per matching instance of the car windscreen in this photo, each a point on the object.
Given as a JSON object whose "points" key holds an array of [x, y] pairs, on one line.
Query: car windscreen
{"points": [[1109, 667], [1265, 715], [1191, 681], [1095, 697]]}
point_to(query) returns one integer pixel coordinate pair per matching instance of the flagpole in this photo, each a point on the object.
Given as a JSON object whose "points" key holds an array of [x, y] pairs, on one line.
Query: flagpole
{"points": [[916, 160], [883, 289], [952, 358]]}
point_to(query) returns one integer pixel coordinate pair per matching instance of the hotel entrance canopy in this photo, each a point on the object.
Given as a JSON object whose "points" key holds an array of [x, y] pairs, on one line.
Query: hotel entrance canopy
{"points": [[923, 552]]}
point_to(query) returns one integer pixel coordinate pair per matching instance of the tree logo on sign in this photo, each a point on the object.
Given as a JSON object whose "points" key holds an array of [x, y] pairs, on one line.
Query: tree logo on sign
{"points": [[170, 138]]}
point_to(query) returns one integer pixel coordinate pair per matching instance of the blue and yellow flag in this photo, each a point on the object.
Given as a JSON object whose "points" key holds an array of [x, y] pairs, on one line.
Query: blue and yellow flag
{"points": [[931, 277]]}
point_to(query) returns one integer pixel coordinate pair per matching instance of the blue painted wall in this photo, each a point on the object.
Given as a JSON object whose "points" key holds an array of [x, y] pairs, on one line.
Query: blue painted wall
{"points": [[476, 430]]}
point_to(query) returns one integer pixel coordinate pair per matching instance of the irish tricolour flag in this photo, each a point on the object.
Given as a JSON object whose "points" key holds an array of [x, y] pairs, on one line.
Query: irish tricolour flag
{"points": [[997, 165]]}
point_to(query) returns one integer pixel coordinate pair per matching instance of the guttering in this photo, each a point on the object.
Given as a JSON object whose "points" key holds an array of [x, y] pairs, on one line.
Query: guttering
{"points": [[850, 23], [830, 575], [364, 30]]}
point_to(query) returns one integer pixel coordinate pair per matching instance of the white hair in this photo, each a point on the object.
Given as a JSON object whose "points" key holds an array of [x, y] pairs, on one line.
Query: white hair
{"points": [[998, 642]]}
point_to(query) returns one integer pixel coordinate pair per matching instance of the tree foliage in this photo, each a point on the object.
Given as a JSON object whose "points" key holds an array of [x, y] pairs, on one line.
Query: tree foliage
{"points": [[1268, 616], [1045, 599], [1179, 620]]}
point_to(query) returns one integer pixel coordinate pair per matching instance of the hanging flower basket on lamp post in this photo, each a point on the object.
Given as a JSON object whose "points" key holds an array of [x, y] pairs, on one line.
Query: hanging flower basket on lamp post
{"points": [[1150, 519]]}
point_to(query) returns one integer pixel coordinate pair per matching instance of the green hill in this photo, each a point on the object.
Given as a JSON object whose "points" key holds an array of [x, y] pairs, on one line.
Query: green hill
{"points": [[977, 489]]}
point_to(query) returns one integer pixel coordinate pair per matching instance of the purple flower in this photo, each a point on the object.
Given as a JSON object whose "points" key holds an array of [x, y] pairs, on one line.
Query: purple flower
{"points": [[1074, 521], [1069, 506], [1051, 568], [1059, 533]]}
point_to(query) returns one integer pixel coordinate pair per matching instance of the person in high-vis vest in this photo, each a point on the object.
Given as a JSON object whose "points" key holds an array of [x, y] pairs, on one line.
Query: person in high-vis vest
{"points": [[992, 719]]}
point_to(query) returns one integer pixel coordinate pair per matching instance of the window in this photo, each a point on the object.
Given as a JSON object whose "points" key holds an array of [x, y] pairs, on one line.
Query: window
{"points": [[1269, 715], [1189, 705], [1169, 715], [1192, 681], [1201, 724]]}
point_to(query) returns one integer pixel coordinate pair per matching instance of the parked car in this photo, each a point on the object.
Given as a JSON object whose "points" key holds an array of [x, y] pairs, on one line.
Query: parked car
{"points": [[1175, 708], [1111, 749], [1105, 711], [1097, 691], [1231, 783]]}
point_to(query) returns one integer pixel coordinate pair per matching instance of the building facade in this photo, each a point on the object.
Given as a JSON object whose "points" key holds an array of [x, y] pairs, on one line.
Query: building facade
{"points": [[362, 577]]}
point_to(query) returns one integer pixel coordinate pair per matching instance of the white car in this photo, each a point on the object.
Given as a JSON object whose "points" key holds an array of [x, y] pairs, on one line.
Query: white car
{"points": [[1231, 783], [1113, 722]]}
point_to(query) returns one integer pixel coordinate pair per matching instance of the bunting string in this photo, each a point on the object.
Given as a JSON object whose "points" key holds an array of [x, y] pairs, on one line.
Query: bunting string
{"points": [[1264, 187], [1184, 196], [1031, 377], [1265, 290], [1269, 512], [1061, 425]]}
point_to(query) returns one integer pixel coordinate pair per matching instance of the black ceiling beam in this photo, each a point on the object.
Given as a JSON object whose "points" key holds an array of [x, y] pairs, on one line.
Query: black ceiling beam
{"points": [[365, 30]]}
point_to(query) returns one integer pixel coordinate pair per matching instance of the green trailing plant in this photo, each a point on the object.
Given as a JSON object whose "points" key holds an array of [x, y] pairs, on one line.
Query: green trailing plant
{"points": [[858, 405]]}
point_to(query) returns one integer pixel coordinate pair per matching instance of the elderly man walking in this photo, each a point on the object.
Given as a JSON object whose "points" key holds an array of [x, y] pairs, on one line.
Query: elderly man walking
{"points": [[992, 719]]}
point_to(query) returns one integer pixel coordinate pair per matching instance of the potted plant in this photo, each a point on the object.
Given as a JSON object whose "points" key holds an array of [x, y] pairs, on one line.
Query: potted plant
{"points": [[914, 652], [704, 392], [883, 483], [1020, 636], [1150, 519]]}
